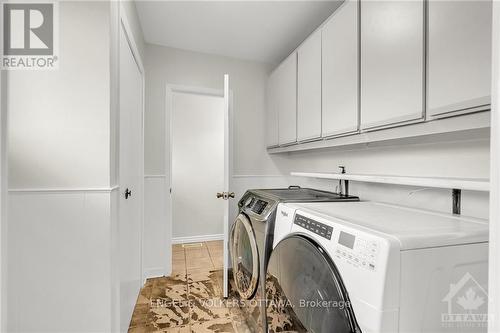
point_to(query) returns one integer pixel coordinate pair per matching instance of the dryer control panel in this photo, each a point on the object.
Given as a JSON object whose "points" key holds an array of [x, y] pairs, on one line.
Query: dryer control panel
{"points": [[257, 207]]}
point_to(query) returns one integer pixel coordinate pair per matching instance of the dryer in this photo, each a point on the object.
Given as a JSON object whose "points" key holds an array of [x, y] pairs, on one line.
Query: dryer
{"points": [[251, 240], [373, 267]]}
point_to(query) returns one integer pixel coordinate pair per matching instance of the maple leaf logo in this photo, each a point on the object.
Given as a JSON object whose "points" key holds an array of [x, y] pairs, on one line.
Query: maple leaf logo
{"points": [[470, 301]]}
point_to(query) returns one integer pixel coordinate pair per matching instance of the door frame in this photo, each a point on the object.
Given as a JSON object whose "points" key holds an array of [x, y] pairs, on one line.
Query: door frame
{"points": [[494, 237], [169, 91], [125, 26]]}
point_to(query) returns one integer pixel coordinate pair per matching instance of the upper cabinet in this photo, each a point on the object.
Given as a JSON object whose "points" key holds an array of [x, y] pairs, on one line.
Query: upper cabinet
{"points": [[272, 139], [459, 56], [382, 70], [286, 94], [309, 88], [392, 62], [340, 64]]}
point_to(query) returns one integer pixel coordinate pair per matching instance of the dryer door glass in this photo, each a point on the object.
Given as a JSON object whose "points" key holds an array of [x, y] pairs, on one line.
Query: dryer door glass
{"points": [[304, 290], [245, 257]]}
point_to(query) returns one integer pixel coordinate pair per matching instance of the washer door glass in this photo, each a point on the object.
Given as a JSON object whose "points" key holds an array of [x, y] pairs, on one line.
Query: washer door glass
{"points": [[304, 291], [245, 257]]}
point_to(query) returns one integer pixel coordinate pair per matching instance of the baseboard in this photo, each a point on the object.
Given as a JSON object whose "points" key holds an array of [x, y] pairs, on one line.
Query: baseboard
{"points": [[154, 272], [194, 239]]}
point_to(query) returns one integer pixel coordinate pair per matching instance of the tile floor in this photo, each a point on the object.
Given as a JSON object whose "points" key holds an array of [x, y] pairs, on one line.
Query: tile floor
{"points": [[190, 300]]}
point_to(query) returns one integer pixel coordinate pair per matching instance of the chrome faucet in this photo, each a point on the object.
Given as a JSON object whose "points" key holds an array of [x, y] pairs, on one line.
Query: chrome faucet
{"points": [[343, 188]]}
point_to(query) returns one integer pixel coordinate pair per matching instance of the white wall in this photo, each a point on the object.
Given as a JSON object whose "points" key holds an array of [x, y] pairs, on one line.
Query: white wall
{"points": [[61, 229], [3, 201], [247, 79], [72, 99], [197, 164]]}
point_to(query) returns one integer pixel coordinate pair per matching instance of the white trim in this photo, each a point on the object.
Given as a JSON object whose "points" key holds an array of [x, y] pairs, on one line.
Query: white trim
{"points": [[196, 90], [196, 239], [64, 190], [124, 21], [168, 186], [155, 176], [471, 184]]}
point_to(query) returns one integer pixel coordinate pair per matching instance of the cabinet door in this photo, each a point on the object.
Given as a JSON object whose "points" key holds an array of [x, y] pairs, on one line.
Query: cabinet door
{"points": [[272, 112], [392, 49], [459, 55], [309, 88], [287, 100], [340, 71]]}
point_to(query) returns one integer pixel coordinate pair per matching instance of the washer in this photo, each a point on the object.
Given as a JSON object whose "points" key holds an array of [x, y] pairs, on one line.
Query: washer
{"points": [[251, 240], [376, 268]]}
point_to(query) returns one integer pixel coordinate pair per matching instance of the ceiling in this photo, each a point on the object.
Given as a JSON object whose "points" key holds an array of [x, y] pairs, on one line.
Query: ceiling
{"points": [[265, 31]]}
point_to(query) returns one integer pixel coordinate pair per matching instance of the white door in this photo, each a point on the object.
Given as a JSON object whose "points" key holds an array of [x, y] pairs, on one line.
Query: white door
{"points": [[272, 139], [309, 88], [227, 105], [459, 56], [130, 173], [392, 62], [340, 71], [287, 100]]}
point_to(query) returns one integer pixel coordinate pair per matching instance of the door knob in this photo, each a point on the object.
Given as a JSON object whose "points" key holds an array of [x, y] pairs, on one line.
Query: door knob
{"points": [[225, 195], [128, 193]]}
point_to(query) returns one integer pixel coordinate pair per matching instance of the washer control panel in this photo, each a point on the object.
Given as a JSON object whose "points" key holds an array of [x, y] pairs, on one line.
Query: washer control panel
{"points": [[317, 227], [256, 206], [259, 206], [357, 251]]}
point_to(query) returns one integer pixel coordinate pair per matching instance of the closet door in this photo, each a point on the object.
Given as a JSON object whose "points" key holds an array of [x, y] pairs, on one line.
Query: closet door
{"points": [[392, 59], [459, 56], [309, 88], [340, 71], [272, 112], [287, 100]]}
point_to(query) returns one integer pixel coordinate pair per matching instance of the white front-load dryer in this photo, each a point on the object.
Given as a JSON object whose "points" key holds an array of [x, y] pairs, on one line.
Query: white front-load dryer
{"points": [[372, 267]]}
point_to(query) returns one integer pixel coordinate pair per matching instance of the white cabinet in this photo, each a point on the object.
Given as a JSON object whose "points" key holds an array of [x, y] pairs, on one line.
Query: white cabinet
{"points": [[392, 62], [459, 56], [286, 80], [272, 139], [309, 88], [340, 71]]}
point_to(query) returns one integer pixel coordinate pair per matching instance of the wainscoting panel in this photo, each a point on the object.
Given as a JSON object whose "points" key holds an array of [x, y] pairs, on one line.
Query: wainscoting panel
{"points": [[194, 239], [59, 261], [157, 227]]}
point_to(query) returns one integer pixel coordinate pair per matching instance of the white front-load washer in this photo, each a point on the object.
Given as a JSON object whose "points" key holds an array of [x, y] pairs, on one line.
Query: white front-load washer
{"points": [[373, 267]]}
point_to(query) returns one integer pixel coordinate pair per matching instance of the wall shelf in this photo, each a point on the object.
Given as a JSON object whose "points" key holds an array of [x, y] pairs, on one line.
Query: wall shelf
{"points": [[470, 184]]}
